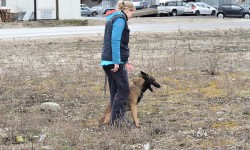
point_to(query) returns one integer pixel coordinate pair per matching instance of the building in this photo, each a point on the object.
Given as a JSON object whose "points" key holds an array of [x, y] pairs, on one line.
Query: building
{"points": [[45, 9], [91, 3]]}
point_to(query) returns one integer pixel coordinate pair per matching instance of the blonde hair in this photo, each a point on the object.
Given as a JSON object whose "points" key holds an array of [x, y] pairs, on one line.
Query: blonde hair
{"points": [[122, 5]]}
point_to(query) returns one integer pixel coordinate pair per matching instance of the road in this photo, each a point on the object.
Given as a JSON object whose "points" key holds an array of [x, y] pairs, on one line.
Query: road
{"points": [[134, 27]]}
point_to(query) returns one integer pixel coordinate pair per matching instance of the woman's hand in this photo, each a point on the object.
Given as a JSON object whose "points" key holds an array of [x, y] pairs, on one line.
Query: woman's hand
{"points": [[116, 67], [129, 66]]}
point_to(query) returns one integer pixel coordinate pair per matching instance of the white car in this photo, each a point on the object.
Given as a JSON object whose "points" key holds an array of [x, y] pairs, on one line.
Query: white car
{"points": [[85, 10], [97, 8], [171, 7], [199, 8], [138, 5]]}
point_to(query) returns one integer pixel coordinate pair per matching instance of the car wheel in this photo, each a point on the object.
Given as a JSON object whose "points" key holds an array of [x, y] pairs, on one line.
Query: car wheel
{"points": [[220, 15], [174, 13], [246, 16], [197, 13], [94, 14], [213, 13]]}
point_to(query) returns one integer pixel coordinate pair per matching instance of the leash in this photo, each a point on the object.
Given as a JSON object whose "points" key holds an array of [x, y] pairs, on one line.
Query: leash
{"points": [[105, 86]]}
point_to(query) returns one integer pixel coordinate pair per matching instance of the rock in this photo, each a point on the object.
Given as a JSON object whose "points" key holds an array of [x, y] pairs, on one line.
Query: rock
{"points": [[221, 119], [146, 146], [50, 106], [220, 112], [201, 133], [42, 138], [46, 148]]}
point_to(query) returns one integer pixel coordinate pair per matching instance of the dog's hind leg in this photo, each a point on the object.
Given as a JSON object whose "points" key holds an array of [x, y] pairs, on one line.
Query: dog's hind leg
{"points": [[107, 114]]}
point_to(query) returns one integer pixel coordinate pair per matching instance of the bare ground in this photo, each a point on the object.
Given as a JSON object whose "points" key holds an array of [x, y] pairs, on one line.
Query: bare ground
{"points": [[204, 102]]}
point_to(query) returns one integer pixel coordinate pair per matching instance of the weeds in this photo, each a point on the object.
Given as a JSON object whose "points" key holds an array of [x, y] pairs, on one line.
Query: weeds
{"points": [[66, 71]]}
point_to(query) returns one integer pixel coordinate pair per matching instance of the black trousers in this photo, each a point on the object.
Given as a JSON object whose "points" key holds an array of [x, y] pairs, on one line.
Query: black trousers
{"points": [[119, 90]]}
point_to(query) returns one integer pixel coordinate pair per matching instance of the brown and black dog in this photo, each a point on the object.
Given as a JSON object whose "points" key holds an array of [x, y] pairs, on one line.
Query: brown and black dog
{"points": [[138, 86]]}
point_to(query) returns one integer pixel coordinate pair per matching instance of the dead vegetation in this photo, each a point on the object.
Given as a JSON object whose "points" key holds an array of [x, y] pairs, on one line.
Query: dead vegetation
{"points": [[50, 23], [203, 103]]}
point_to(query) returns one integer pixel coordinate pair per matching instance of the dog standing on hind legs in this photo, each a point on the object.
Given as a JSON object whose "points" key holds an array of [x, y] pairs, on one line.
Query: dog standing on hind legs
{"points": [[138, 86]]}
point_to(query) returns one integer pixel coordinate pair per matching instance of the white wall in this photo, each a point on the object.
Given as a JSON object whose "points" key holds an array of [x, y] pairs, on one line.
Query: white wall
{"points": [[16, 6], [68, 9], [46, 9]]}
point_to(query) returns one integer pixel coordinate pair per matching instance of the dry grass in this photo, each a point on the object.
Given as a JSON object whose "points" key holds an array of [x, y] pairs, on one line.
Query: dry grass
{"points": [[203, 102], [50, 23]]}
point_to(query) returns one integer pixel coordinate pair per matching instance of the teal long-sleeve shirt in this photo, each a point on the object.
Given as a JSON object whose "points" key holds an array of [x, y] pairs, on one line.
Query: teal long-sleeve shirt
{"points": [[118, 27]]}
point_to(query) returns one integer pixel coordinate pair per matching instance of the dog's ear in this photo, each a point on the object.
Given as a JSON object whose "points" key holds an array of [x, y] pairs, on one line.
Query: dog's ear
{"points": [[144, 75]]}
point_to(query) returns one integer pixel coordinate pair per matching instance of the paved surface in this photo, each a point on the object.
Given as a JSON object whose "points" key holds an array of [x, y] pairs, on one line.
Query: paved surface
{"points": [[136, 27], [52, 31]]}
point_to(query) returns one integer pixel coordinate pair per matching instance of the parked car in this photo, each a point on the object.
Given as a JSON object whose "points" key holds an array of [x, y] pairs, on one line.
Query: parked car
{"points": [[83, 5], [85, 10], [232, 10], [246, 7], [145, 4], [173, 7], [199, 8], [153, 6], [97, 8], [140, 5]]}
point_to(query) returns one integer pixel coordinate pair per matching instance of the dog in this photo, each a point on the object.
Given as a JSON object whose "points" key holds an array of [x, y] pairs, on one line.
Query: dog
{"points": [[138, 86]]}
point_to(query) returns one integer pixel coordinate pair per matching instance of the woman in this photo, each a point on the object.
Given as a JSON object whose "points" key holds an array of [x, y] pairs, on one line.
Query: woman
{"points": [[114, 58]]}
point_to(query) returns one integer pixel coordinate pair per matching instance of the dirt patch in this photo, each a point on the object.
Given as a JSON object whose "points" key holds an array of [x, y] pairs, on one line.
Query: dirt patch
{"points": [[203, 102]]}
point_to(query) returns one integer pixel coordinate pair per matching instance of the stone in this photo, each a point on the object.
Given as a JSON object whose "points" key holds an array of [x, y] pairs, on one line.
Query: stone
{"points": [[50, 106]]}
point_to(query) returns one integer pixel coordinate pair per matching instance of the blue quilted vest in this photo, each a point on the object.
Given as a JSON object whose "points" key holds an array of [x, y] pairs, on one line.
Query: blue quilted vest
{"points": [[107, 45]]}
